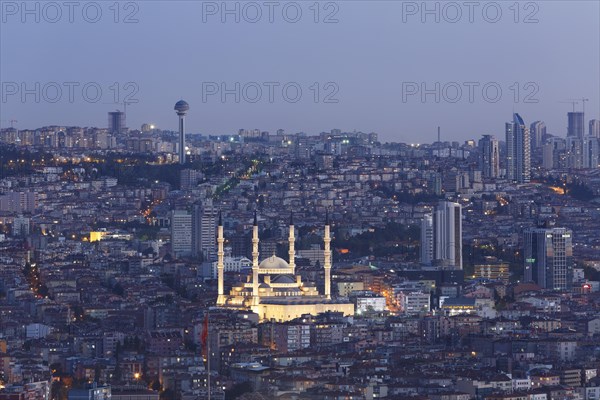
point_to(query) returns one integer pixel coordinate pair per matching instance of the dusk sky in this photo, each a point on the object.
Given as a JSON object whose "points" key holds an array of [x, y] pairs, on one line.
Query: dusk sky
{"points": [[368, 56]]}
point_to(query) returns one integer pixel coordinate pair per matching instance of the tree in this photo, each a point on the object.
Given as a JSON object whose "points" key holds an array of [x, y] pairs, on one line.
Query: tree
{"points": [[118, 290], [58, 391], [155, 385], [43, 291], [591, 274], [168, 394], [238, 390]]}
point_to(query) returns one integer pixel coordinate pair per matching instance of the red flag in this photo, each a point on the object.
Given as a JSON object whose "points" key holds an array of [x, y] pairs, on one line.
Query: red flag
{"points": [[204, 337]]}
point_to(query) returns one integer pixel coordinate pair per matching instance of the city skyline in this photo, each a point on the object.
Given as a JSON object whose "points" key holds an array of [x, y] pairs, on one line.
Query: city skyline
{"points": [[385, 102], [590, 125], [300, 200]]}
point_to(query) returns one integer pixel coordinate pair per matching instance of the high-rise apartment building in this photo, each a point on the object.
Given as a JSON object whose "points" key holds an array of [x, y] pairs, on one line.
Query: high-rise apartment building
{"points": [[554, 153], [427, 240], [204, 230], [548, 256], [21, 226], [537, 131], [576, 123], [116, 122], [518, 151], [594, 128], [582, 152], [19, 202], [489, 157], [189, 178], [591, 150], [574, 152], [441, 236], [181, 233]]}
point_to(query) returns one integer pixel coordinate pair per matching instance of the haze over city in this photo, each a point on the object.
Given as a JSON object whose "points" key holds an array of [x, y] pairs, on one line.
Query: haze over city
{"points": [[368, 50]]}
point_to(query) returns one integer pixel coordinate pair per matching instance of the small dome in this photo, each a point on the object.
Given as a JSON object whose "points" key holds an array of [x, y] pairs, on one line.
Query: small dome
{"points": [[273, 262]]}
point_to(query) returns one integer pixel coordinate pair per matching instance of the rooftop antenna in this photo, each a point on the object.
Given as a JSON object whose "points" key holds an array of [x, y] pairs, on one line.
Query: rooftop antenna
{"points": [[439, 135]]}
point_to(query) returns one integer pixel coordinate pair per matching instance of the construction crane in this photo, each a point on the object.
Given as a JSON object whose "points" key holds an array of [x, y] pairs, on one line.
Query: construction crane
{"points": [[583, 100], [125, 103], [12, 122], [570, 102], [576, 101]]}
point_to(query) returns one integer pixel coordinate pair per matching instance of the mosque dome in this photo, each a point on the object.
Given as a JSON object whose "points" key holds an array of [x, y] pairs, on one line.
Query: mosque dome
{"points": [[283, 279], [274, 262]]}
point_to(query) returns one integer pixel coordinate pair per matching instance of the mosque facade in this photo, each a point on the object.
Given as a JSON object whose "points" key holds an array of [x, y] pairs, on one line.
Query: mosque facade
{"points": [[273, 290]]}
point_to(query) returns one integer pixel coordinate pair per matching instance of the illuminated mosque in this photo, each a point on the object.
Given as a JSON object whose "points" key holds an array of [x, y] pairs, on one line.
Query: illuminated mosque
{"points": [[273, 290]]}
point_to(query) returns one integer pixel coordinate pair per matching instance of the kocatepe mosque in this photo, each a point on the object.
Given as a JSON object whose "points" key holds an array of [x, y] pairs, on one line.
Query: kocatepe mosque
{"points": [[273, 290]]}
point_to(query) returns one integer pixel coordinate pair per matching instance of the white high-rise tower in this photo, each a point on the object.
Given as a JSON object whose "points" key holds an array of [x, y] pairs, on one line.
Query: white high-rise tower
{"points": [[327, 255], [427, 240], [447, 234]]}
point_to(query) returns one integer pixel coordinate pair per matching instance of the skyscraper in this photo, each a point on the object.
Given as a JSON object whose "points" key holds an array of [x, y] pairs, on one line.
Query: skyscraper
{"points": [[576, 124], [489, 157], [518, 151], [182, 108], [116, 122], [549, 257], [447, 234], [537, 132], [594, 128], [204, 230], [427, 240], [181, 233]]}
